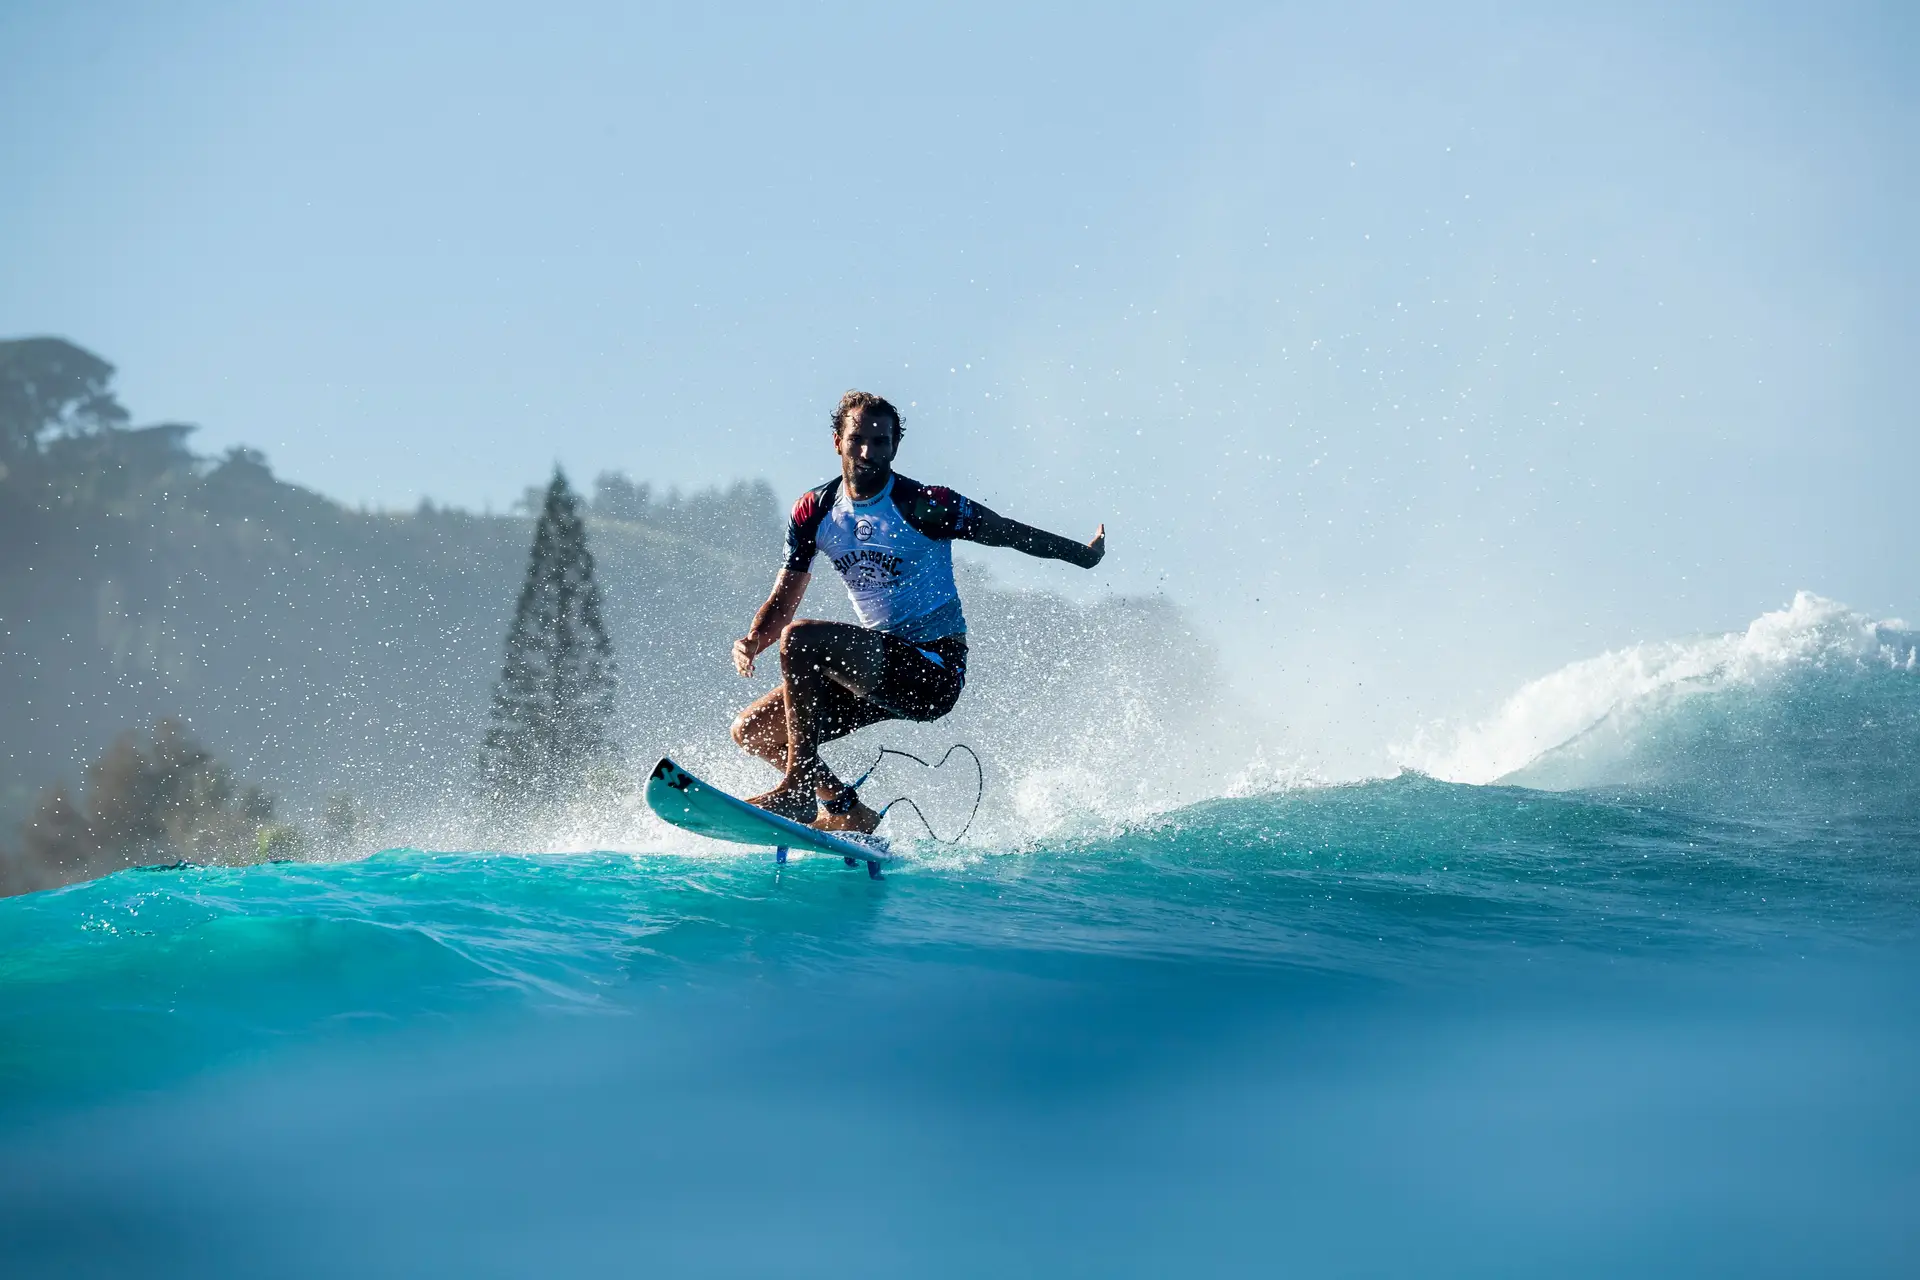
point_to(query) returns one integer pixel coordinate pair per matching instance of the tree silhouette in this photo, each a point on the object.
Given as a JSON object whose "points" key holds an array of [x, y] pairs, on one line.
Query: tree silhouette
{"points": [[50, 387], [554, 698], [151, 800]]}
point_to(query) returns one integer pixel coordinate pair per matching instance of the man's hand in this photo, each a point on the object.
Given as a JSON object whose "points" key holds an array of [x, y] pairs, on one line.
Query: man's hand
{"points": [[1097, 549], [743, 653], [770, 620]]}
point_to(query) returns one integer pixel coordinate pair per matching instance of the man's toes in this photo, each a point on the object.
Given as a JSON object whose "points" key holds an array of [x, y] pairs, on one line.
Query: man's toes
{"points": [[788, 803], [859, 819]]}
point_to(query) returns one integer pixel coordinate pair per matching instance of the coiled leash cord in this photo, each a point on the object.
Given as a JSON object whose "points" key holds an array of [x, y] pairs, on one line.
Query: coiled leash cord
{"points": [[980, 789]]}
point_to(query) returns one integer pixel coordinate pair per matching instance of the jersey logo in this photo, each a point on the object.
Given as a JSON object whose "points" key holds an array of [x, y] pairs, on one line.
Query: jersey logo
{"points": [[863, 529], [868, 567]]}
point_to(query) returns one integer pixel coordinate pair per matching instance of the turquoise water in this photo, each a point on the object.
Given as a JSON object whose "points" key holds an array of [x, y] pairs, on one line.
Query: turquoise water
{"points": [[1394, 1027]]}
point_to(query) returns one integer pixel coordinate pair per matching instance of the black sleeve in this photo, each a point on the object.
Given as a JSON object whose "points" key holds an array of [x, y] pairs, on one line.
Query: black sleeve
{"points": [[937, 511], [804, 526]]}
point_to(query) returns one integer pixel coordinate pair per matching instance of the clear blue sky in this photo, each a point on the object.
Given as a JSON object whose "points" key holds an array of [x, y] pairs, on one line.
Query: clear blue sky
{"points": [[1417, 353]]}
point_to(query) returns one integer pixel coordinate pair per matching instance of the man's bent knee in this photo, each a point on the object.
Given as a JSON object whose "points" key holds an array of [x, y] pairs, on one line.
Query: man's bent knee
{"points": [[805, 634], [761, 723], [803, 645]]}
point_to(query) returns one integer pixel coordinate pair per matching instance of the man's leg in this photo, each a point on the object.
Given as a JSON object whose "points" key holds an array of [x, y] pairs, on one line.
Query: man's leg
{"points": [[821, 661], [761, 729]]}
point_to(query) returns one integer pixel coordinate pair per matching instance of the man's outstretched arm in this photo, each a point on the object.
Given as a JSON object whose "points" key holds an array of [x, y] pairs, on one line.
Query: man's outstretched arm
{"points": [[991, 530], [771, 619]]}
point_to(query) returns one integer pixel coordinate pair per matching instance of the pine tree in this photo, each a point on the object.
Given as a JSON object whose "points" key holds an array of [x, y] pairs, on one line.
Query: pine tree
{"points": [[554, 699]]}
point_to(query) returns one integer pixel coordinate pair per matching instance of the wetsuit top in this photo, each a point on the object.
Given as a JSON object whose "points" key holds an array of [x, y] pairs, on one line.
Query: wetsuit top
{"points": [[894, 550]]}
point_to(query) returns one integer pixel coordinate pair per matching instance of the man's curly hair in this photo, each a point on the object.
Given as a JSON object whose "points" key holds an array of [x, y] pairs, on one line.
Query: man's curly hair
{"points": [[854, 401]]}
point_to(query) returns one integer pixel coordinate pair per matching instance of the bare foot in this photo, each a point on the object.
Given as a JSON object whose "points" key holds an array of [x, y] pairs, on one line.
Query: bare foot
{"points": [[787, 801], [861, 820], [858, 818]]}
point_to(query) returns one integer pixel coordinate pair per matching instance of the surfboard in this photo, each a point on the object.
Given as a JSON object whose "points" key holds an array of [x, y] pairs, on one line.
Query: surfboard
{"points": [[686, 802]]}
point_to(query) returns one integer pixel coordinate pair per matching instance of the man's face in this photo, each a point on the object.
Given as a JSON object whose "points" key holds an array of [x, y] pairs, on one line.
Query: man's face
{"points": [[866, 442]]}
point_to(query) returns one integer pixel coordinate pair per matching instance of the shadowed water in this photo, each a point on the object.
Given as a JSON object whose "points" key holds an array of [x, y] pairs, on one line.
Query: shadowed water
{"points": [[1398, 1027]]}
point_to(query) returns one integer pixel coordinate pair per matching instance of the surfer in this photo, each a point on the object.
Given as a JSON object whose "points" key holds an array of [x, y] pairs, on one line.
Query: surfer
{"points": [[891, 540]]}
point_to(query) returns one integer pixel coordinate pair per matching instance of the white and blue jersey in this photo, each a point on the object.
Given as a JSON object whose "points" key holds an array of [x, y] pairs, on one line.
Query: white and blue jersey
{"points": [[893, 550]]}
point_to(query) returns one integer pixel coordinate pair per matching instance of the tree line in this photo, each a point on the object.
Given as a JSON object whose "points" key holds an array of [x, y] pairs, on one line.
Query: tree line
{"points": [[162, 797], [149, 577]]}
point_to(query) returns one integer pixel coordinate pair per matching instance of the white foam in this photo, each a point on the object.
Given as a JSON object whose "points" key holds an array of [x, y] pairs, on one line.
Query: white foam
{"points": [[1810, 632]]}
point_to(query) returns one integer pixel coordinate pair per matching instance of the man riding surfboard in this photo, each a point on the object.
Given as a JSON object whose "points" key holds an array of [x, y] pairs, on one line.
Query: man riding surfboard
{"points": [[891, 540]]}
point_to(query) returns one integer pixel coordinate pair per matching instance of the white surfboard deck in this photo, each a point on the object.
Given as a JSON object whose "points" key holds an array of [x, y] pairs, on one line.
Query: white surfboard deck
{"points": [[686, 802]]}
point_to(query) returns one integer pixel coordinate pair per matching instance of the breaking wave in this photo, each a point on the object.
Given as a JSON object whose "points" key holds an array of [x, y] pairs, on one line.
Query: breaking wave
{"points": [[1814, 698]]}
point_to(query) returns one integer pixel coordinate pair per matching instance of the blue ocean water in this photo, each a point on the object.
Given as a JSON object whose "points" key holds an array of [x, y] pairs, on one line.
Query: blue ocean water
{"points": [[1650, 1005]]}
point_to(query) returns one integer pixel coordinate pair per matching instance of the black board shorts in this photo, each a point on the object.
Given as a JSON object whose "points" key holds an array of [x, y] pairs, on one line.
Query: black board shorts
{"points": [[918, 682]]}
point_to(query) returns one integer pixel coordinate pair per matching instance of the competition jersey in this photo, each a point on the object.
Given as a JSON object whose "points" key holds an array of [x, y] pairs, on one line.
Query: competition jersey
{"points": [[893, 550]]}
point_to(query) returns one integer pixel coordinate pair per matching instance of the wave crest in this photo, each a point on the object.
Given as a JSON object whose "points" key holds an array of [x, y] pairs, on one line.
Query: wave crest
{"points": [[1813, 693]]}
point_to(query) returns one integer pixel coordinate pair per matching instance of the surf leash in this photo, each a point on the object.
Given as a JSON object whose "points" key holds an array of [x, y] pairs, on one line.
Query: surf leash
{"points": [[980, 789]]}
